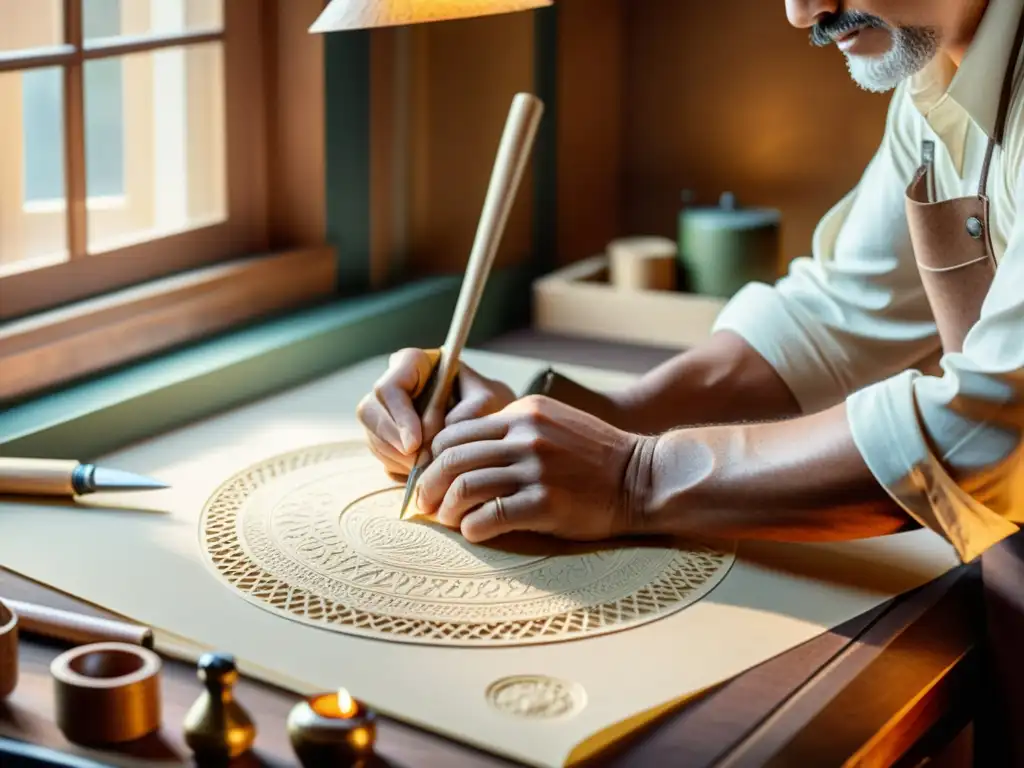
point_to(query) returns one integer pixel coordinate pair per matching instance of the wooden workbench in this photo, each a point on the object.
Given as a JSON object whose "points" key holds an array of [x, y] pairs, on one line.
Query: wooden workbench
{"points": [[887, 688]]}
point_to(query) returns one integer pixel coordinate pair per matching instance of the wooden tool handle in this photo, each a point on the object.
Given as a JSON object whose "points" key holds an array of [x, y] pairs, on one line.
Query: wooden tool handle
{"points": [[513, 153], [36, 477], [76, 628]]}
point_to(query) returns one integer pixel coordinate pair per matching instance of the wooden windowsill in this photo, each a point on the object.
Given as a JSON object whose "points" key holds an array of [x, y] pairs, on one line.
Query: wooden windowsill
{"points": [[54, 348], [164, 391]]}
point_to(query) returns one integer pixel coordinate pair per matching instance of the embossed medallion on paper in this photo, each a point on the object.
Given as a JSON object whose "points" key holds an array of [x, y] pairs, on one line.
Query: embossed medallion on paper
{"points": [[314, 536], [536, 697]]}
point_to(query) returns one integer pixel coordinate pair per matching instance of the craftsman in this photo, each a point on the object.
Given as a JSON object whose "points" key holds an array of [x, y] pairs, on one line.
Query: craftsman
{"points": [[879, 385]]}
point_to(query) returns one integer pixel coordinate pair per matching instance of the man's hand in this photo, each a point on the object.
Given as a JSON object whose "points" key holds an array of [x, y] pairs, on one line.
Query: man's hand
{"points": [[393, 428], [556, 470], [560, 471]]}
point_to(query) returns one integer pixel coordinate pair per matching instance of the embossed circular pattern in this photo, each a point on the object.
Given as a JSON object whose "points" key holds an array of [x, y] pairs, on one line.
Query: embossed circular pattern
{"points": [[305, 535], [536, 697]]}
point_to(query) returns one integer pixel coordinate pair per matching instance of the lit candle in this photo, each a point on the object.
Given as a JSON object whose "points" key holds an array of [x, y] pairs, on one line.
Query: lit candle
{"points": [[332, 729]]}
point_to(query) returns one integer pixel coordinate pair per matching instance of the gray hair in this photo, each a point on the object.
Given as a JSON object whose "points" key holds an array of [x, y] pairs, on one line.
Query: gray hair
{"points": [[912, 49]]}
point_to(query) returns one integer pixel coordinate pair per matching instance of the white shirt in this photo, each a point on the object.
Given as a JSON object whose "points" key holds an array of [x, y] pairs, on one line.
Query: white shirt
{"points": [[852, 321]]}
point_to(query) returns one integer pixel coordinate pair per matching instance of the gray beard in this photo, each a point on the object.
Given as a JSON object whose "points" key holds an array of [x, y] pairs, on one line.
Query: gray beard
{"points": [[912, 49]]}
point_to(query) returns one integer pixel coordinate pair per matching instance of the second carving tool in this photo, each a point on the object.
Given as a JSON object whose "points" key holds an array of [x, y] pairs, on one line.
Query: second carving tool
{"points": [[54, 477], [513, 153], [76, 628]]}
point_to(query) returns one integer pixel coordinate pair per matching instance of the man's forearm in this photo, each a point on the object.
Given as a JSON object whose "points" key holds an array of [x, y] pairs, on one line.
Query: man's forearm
{"points": [[796, 480], [723, 380]]}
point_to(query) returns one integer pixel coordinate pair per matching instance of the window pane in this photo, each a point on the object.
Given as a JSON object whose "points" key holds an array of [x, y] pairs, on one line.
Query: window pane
{"points": [[32, 217], [155, 144], [31, 24], [42, 125], [111, 18], [101, 18], [104, 127]]}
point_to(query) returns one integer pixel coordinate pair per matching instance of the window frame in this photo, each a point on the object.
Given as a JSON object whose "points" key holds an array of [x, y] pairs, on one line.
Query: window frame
{"points": [[112, 212], [105, 314], [35, 286], [334, 206]]}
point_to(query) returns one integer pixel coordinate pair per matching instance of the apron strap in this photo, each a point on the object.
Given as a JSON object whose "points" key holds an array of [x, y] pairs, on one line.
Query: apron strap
{"points": [[1009, 82]]}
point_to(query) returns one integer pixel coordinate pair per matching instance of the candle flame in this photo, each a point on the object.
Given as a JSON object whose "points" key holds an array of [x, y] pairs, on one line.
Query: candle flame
{"points": [[346, 704]]}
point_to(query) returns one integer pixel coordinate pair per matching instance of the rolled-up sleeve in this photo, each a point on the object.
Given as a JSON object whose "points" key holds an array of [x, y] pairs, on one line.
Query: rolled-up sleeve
{"points": [[948, 447], [852, 323]]}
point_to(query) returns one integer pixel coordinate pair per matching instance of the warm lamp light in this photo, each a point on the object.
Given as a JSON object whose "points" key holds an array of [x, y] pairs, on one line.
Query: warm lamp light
{"points": [[342, 15]]}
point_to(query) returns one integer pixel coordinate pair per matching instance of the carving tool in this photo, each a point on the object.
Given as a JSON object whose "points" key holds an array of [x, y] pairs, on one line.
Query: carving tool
{"points": [[51, 477], [513, 152], [77, 628]]}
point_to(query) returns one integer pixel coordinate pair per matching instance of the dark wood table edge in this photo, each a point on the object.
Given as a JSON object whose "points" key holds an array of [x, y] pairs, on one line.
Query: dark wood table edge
{"points": [[937, 623], [760, 715], [901, 682]]}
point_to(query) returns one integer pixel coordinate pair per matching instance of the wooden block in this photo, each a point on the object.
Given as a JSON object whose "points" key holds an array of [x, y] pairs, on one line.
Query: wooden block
{"points": [[642, 264]]}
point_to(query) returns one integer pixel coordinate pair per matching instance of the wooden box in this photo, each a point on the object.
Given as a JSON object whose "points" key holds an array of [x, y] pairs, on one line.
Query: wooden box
{"points": [[578, 300]]}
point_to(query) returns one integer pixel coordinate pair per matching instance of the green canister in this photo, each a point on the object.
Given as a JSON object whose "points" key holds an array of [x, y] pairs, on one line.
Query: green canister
{"points": [[723, 248]]}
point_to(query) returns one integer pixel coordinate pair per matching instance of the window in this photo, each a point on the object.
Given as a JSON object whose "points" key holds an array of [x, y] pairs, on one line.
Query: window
{"points": [[132, 144], [104, 120]]}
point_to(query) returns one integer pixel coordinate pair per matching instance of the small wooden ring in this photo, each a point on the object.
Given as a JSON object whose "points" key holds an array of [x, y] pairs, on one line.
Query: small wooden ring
{"points": [[8, 650], [107, 693]]}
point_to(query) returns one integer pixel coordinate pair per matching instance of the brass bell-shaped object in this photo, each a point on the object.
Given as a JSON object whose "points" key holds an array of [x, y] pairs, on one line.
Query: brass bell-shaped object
{"points": [[217, 728]]}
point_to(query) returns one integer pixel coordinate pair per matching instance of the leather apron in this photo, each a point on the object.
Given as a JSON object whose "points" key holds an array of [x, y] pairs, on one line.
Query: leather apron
{"points": [[953, 249]]}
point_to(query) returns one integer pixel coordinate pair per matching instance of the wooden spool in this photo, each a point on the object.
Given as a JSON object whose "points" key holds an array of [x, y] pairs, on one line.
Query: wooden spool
{"points": [[107, 693], [8, 651], [643, 263]]}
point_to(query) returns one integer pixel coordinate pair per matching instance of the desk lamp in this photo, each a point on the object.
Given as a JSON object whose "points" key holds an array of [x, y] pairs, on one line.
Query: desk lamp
{"points": [[340, 15]]}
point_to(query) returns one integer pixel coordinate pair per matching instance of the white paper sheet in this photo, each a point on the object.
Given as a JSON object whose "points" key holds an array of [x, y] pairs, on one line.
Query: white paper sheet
{"points": [[140, 556]]}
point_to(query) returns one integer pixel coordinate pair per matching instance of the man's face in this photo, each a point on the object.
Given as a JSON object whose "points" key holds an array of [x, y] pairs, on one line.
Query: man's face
{"points": [[884, 41]]}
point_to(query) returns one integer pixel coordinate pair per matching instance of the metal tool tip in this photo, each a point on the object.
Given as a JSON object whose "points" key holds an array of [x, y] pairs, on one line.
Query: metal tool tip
{"points": [[410, 489], [106, 479]]}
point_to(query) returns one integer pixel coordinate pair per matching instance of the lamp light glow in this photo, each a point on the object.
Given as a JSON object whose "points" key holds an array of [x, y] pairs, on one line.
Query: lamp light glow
{"points": [[342, 15]]}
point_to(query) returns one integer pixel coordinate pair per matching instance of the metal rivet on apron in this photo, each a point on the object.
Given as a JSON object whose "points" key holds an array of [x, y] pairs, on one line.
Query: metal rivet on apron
{"points": [[974, 227]]}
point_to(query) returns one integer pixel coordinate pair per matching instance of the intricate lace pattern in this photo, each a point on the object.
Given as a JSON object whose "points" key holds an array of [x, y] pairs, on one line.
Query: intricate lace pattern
{"points": [[300, 535]]}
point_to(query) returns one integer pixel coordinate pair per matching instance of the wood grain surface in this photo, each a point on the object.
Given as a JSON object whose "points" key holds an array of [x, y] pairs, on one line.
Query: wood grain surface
{"points": [[871, 689], [31, 707], [888, 688]]}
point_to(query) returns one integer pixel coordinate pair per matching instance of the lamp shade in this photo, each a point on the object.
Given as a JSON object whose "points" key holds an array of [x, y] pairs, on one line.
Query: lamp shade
{"points": [[342, 15]]}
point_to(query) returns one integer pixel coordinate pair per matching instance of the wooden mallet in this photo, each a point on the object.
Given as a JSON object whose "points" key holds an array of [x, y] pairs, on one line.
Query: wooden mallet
{"points": [[513, 153]]}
